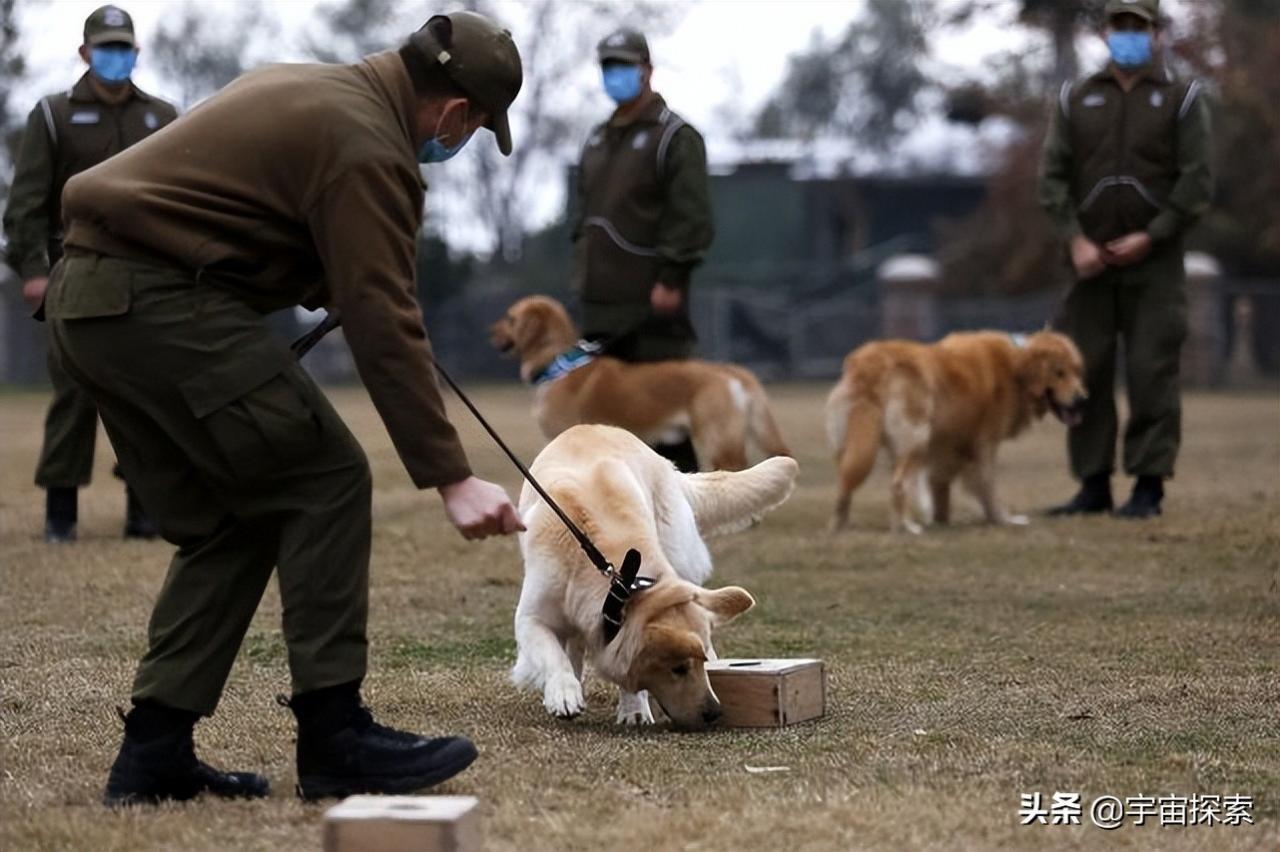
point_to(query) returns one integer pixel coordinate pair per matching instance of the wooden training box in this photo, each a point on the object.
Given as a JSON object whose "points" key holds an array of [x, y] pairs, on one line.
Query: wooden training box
{"points": [[769, 693], [403, 824]]}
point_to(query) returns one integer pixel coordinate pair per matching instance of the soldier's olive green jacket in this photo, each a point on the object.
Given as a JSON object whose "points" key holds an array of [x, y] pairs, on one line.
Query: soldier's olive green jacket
{"points": [[296, 184], [67, 133], [642, 213], [1118, 162]]}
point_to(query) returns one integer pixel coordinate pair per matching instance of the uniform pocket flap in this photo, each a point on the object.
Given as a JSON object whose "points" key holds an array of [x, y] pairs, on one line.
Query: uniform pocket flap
{"points": [[78, 296], [214, 388]]}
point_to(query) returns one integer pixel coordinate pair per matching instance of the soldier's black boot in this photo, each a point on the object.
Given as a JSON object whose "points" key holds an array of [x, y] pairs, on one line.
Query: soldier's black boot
{"points": [[1144, 502], [137, 524], [157, 762], [1094, 497], [342, 751], [681, 454], [61, 512]]}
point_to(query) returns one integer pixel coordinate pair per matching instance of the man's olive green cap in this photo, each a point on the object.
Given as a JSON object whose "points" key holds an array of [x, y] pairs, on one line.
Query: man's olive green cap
{"points": [[1148, 10], [108, 24], [481, 58], [624, 46]]}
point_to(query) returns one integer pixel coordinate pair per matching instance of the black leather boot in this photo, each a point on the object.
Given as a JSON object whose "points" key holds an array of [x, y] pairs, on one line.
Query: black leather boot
{"points": [[1094, 497], [137, 524], [1144, 502], [343, 751], [61, 512], [157, 762]]}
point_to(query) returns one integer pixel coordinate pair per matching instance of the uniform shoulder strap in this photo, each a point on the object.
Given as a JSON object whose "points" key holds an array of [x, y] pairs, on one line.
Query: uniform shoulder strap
{"points": [[671, 124], [46, 107], [1193, 89], [1064, 97]]}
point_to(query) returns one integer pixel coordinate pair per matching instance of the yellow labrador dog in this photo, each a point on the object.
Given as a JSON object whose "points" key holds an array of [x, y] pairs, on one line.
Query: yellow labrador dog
{"points": [[942, 410], [721, 406], [624, 495]]}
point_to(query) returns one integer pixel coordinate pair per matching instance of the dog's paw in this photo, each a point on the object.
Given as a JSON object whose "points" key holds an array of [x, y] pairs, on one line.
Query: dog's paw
{"points": [[912, 527], [562, 696], [633, 709], [1016, 520]]}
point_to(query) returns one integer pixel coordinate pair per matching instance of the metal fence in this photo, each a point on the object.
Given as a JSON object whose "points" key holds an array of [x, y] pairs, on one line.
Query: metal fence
{"points": [[781, 332]]}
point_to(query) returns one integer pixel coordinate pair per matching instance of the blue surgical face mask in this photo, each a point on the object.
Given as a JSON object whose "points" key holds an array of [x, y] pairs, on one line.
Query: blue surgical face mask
{"points": [[1130, 49], [112, 64], [622, 82], [434, 151]]}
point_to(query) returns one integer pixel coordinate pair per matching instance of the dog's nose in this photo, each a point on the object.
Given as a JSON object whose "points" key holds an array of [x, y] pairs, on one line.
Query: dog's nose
{"points": [[1080, 398], [712, 714]]}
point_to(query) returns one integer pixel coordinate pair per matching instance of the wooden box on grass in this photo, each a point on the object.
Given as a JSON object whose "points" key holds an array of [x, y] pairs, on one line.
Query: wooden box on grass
{"points": [[403, 824], [769, 693]]}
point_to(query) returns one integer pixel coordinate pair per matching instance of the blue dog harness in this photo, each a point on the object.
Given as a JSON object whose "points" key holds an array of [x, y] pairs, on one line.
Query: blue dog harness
{"points": [[580, 354]]}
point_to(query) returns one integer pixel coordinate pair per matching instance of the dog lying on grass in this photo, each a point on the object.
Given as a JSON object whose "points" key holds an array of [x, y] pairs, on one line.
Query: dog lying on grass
{"points": [[942, 411], [720, 406], [624, 495]]}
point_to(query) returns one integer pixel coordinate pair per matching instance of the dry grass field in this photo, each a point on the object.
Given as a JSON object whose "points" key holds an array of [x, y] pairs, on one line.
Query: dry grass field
{"points": [[967, 667]]}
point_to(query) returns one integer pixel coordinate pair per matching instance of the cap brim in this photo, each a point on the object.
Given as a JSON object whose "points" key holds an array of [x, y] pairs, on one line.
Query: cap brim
{"points": [[1136, 11], [109, 36], [619, 54], [502, 132]]}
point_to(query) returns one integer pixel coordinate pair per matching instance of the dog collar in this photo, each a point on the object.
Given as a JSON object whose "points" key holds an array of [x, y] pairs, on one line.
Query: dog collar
{"points": [[580, 354], [623, 583]]}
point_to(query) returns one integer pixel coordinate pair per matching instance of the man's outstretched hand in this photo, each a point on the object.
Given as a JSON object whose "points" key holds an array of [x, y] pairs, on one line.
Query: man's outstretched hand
{"points": [[479, 509]]}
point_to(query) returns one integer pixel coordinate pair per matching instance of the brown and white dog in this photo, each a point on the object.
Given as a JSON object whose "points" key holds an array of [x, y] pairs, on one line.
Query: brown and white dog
{"points": [[624, 495], [721, 406], [942, 411]]}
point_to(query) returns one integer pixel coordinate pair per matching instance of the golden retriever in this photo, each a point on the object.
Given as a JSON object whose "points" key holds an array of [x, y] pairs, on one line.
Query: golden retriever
{"points": [[624, 495], [720, 406], [942, 410]]}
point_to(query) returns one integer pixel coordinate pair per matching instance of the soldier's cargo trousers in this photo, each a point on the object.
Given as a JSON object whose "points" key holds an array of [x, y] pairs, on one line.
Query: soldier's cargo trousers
{"points": [[70, 432], [1145, 306], [242, 463]]}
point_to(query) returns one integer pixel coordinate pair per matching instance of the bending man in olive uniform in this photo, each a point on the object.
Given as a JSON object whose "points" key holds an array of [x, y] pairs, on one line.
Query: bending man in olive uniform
{"points": [[1125, 173], [67, 133], [641, 220], [296, 184]]}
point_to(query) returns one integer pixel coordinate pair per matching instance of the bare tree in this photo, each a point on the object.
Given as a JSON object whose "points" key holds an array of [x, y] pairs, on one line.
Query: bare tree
{"points": [[202, 51], [863, 85], [1062, 20], [346, 30], [12, 70]]}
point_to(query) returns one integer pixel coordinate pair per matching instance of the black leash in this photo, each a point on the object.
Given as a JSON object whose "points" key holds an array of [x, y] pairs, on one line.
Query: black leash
{"points": [[623, 581]]}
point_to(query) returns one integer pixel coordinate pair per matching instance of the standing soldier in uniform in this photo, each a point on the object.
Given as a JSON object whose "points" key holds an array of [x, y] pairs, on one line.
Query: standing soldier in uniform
{"points": [[641, 221], [67, 133], [296, 184], [1125, 174]]}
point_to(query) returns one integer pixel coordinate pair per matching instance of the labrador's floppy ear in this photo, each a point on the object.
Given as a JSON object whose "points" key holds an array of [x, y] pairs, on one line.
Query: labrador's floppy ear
{"points": [[670, 646], [725, 604]]}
